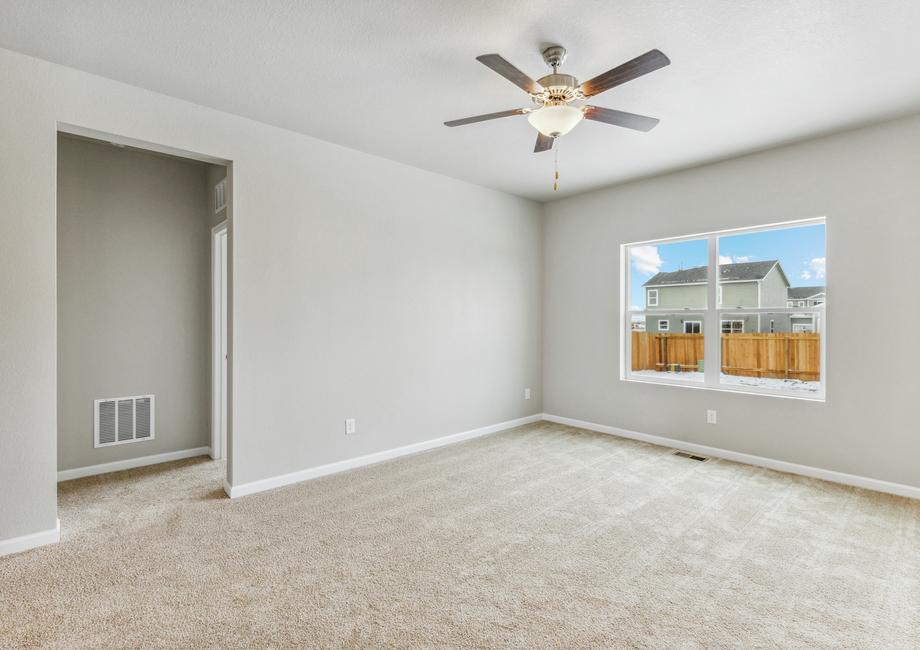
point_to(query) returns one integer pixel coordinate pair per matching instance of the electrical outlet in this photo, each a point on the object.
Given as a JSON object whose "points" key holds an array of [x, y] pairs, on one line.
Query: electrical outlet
{"points": [[526, 393], [349, 426], [711, 417]]}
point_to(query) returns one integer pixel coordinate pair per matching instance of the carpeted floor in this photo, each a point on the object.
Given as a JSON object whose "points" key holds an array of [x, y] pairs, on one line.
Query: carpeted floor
{"points": [[544, 536]]}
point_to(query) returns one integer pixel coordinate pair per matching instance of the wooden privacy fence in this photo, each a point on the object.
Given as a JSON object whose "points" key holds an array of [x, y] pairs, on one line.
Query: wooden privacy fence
{"points": [[781, 355]]}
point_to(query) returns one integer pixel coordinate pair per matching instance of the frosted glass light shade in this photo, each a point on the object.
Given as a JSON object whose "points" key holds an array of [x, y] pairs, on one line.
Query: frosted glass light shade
{"points": [[555, 120]]}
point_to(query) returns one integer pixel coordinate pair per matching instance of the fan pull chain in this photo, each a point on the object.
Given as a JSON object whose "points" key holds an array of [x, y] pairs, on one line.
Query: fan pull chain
{"points": [[556, 167]]}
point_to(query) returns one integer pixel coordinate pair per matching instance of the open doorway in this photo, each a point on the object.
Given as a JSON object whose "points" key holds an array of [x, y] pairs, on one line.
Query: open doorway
{"points": [[137, 338]]}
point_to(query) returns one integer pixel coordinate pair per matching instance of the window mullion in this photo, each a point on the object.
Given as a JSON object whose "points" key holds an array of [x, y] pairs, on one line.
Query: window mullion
{"points": [[711, 318]]}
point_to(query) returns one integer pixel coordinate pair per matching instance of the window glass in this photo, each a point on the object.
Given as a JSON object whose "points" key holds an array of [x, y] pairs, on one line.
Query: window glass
{"points": [[775, 268], [769, 313], [670, 275], [669, 347]]}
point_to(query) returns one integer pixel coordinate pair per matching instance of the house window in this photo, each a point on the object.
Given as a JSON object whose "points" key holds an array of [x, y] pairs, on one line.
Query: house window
{"points": [[766, 283]]}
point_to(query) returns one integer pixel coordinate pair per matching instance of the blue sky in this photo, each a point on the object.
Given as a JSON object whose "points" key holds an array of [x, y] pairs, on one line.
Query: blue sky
{"points": [[800, 252]]}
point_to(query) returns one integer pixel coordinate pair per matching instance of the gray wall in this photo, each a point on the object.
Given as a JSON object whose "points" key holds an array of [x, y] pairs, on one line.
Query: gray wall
{"points": [[866, 183], [133, 285], [363, 288]]}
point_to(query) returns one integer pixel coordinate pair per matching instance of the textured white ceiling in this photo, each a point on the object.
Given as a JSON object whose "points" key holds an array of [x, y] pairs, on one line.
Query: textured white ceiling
{"points": [[383, 76]]}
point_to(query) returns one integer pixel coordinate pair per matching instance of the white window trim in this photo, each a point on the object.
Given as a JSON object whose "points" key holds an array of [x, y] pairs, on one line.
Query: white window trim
{"points": [[697, 322], [712, 315], [648, 301], [667, 325], [730, 327]]}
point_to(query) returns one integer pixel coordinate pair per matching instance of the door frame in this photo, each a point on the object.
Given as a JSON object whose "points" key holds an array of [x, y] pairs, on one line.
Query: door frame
{"points": [[219, 338]]}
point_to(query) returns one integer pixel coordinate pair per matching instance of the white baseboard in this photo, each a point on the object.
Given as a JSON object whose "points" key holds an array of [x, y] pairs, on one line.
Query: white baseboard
{"points": [[25, 542], [876, 485], [244, 489], [118, 465]]}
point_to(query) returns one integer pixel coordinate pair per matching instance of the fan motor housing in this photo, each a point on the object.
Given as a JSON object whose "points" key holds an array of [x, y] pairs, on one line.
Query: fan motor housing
{"points": [[557, 89]]}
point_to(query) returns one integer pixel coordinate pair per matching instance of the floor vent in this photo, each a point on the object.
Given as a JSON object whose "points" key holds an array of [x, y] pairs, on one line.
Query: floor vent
{"points": [[119, 420], [686, 454]]}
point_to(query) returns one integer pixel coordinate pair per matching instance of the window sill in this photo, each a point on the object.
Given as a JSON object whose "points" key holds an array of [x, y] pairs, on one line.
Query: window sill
{"points": [[818, 397]]}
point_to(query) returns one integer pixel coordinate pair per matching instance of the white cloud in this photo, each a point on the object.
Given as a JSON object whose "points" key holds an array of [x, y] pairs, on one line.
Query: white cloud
{"points": [[818, 266], [814, 269], [646, 259], [739, 259]]}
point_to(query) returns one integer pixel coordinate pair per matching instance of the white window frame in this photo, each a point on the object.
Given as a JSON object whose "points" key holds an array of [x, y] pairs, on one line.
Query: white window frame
{"points": [[648, 300], [713, 313], [695, 322], [731, 328], [667, 325]]}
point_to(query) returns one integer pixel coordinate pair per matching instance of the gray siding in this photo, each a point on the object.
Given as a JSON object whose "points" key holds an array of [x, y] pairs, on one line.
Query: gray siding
{"points": [[675, 322], [680, 297], [739, 294], [774, 289]]}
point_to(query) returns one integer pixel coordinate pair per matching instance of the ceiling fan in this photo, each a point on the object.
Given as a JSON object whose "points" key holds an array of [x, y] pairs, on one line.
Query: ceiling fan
{"points": [[554, 115]]}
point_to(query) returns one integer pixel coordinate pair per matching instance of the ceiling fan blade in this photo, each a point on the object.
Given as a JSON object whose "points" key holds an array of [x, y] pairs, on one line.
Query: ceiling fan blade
{"points": [[620, 118], [509, 72], [487, 116], [544, 143], [641, 65]]}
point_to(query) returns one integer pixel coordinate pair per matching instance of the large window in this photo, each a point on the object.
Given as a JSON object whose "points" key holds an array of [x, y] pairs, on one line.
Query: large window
{"points": [[752, 301]]}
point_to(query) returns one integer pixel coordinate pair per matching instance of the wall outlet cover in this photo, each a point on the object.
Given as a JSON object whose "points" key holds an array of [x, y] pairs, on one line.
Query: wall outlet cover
{"points": [[711, 416], [349, 426]]}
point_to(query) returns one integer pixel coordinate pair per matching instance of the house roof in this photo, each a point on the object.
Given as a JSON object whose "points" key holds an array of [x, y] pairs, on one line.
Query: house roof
{"points": [[800, 293], [727, 273]]}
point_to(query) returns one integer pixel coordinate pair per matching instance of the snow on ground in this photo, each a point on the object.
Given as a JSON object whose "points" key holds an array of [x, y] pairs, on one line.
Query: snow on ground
{"points": [[768, 383]]}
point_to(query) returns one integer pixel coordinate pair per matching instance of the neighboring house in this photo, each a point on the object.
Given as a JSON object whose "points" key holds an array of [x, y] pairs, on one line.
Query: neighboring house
{"points": [[742, 285], [806, 297]]}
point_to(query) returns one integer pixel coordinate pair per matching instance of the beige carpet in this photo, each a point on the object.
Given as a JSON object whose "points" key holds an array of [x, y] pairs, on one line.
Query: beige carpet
{"points": [[544, 536]]}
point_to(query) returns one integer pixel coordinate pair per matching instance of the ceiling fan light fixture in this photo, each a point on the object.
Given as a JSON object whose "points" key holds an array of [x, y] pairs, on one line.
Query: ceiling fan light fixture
{"points": [[555, 121]]}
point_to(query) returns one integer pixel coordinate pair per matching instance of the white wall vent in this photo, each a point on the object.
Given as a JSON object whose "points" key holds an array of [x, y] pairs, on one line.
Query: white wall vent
{"points": [[123, 419], [220, 196]]}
